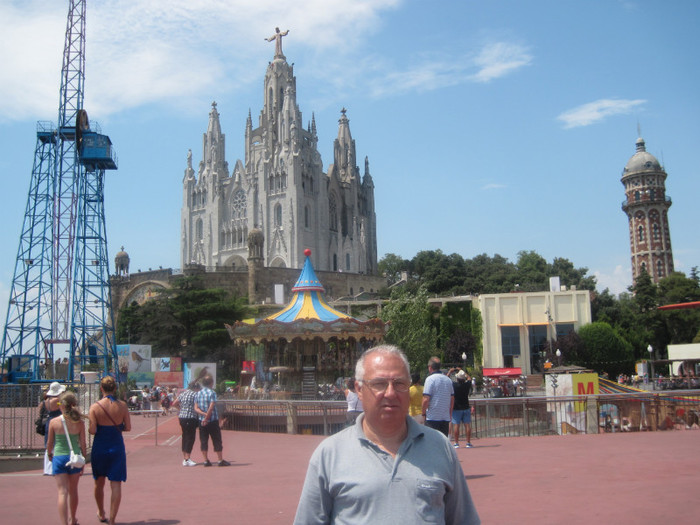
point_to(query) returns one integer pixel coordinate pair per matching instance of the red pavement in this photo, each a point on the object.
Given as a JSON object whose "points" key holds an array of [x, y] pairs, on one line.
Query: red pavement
{"points": [[621, 478]]}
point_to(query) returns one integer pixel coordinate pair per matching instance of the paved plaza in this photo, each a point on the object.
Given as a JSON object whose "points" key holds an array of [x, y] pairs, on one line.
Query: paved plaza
{"points": [[648, 477]]}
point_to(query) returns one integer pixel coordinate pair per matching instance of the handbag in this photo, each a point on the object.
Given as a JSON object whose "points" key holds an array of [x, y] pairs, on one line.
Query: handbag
{"points": [[76, 460], [40, 422]]}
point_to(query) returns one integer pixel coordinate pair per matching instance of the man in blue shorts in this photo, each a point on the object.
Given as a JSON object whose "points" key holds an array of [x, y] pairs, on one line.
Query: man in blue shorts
{"points": [[461, 412]]}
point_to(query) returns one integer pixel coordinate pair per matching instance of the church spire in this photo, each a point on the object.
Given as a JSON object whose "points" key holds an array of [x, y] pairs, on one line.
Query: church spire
{"points": [[213, 147], [344, 148]]}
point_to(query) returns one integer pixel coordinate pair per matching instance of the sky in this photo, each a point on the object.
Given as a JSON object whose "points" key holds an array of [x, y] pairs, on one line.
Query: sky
{"points": [[491, 126]]}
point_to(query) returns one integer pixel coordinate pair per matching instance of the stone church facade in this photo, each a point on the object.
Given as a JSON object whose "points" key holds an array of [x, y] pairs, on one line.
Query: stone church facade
{"points": [[280, 191]]}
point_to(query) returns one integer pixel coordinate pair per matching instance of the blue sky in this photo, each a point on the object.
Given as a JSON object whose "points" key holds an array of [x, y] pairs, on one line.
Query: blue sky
{"points": [[490, 126]]}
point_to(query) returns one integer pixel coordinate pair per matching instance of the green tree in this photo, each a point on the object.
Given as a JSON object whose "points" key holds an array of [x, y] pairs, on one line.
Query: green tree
{"points": [[681, 325], [440, 274], [411, 326], [605, 349], [532, 272], [391, 266], [186, 320], [484, 274], [570, 276]]}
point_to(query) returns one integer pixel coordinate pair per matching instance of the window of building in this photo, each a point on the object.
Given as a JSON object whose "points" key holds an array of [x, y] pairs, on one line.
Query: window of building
{"points": [[335, 262], [238, 205], [199, 229], [332, 213], [347, 262], [510, 344], [659, 269], [656, 233], [640, 233], [564, 329], [307, 219], [637, 196], [278, 215]]}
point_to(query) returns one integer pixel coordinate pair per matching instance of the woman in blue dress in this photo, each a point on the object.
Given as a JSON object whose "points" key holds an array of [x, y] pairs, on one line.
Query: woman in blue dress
{"points": [[59, 450], [109, 417]]}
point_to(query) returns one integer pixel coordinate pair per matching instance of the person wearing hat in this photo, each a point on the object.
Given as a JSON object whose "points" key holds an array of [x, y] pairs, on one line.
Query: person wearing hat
{"points": [[461, 412], [52, 408]]}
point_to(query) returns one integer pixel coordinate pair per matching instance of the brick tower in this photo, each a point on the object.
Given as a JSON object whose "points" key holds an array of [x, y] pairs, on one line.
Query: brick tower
{"points": [[646, 206]]}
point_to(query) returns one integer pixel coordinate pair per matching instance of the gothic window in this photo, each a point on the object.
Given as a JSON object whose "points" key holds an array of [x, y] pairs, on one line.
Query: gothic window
{"points": [[335, 262], [307, 218], [656, 232], [640, 233], [332, 213], [659, 269], [347, 262], [278, 216], [637, 196], [644, 267], [239, 205], [652, 195], [199, 230]]}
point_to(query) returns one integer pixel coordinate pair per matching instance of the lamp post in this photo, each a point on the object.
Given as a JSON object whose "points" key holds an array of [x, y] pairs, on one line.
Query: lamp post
{"points": [[651, 359], [464, 358], [558, 357]]}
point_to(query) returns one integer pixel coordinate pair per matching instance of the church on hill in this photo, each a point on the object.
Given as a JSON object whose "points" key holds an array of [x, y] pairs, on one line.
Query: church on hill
{"points": [[279, 193]]}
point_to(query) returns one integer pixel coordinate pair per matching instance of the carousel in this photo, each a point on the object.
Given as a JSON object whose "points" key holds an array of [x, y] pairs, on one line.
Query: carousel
{"points": [[306, 347]]}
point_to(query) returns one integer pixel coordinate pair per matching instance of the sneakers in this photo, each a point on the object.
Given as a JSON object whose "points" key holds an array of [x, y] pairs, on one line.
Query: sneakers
{"points": [[224, 463], [456, 445], [207, 463], [469, 445], [188, 463]]}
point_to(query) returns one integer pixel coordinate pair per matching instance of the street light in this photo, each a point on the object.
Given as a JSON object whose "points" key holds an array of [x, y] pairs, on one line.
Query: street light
{"points": [[651, 358], [559, 356], [464, 358]]}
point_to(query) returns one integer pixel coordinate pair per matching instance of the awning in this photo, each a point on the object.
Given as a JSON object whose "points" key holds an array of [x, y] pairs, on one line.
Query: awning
{"points": [[502, 372]]}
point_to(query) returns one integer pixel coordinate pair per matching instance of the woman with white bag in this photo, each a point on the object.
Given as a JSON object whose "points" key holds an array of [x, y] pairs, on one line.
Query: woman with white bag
{"points": [[66, 444]]}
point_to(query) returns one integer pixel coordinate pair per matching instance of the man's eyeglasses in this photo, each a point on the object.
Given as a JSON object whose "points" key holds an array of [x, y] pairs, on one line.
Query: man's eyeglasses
{"points": [[378, 385]]}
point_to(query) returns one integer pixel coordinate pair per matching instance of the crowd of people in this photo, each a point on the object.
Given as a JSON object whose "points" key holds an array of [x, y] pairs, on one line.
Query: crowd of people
{"points": [[65, 441], [391, 417], [108, 418]]}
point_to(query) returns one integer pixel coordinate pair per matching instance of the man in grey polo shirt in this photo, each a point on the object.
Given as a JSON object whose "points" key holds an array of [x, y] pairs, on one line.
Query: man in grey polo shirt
{"points": [[386, 468], [438, 398]]}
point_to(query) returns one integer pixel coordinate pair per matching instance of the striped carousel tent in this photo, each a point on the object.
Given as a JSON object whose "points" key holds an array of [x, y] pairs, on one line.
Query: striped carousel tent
{"points": [[308, 301], [308, 326]]}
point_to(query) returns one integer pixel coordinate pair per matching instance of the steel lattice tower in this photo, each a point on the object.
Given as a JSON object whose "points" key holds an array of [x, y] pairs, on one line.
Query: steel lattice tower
{"points": [[53, 302]]}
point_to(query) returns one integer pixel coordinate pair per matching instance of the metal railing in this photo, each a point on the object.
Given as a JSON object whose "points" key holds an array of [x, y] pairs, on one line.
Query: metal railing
{"points": [[287, 417], [19, 408], [592, 414], [493, 417]]}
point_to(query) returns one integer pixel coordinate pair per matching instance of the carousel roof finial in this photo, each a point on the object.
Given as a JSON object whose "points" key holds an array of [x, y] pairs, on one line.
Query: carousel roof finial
{"points": [[307, 279]]}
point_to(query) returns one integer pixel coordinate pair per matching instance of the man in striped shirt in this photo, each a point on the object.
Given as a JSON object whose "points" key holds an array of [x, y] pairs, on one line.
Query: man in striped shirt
{"points": [[438, 398]]}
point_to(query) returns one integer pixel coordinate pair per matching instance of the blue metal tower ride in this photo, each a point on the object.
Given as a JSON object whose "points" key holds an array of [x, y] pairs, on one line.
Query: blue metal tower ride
{"points": [[56, 304]]}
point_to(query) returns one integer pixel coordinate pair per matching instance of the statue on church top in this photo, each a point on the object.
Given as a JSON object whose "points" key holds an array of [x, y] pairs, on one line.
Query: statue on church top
{"points": [[277, 37]]}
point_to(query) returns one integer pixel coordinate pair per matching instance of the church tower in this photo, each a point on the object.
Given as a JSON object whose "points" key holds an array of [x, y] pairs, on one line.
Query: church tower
{"points": [[646, 206], [279, 190]]}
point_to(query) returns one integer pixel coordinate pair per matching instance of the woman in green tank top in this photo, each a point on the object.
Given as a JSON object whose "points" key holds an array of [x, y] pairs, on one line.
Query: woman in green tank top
{"points": [[59, 452]]}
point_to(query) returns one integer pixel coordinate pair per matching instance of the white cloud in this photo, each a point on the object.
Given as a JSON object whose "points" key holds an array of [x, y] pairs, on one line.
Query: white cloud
{"points": [[141, 51], [617, 281], [498, 59], [596, 111], [493, 61]]}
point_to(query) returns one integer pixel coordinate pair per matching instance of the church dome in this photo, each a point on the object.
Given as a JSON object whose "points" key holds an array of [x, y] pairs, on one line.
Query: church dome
{"points": [[642, 160], [121, 254]]}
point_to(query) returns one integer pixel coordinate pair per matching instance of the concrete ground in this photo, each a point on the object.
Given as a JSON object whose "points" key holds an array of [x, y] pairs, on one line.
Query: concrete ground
{"points": [[621, 478]]}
